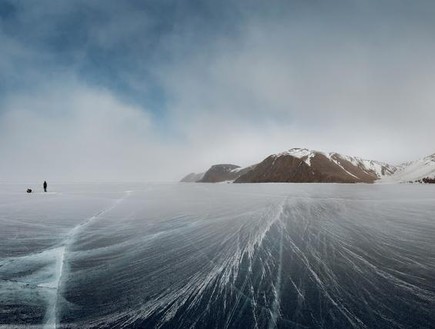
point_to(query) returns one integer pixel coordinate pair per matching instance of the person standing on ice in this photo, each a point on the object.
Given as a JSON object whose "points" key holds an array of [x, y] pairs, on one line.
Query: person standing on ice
{"points": [[45, 186]]}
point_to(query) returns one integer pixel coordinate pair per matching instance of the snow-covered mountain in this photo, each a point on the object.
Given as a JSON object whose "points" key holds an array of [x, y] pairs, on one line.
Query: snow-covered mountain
{"points": [[370, 167], [307, 166], [413, 171]]}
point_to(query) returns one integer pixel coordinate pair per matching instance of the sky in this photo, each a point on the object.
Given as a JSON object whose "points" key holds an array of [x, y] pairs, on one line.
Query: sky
{"points": [[152, 90]]}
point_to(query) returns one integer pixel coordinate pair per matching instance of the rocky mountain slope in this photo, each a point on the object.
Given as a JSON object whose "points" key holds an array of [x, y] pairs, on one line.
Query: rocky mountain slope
{"points": [[223, 172], [301, 165], [307, 166]]}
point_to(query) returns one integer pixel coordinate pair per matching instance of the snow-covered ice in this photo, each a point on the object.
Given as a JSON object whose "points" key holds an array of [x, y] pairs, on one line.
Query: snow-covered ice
{"points": [[218, 256]]}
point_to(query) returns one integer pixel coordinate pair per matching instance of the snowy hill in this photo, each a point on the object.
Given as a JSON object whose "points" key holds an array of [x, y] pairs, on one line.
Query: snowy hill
{"points": [[307, 166], [302, 165], [413, 171], [370, 167]]}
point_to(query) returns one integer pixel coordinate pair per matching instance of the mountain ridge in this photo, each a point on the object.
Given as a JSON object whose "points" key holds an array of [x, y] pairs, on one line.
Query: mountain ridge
{"points": [[302, 165], [413, 171]]}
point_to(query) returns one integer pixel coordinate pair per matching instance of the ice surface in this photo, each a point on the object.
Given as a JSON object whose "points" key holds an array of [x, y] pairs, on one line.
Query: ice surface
{"points": [[218, 256]]}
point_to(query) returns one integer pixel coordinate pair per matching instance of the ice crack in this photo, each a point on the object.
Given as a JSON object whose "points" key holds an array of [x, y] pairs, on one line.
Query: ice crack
{"points": [[53, 309]]}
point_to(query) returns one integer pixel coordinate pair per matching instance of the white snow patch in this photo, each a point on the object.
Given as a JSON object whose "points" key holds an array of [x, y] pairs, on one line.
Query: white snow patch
{"points": [[413, 171], [301, 153]]}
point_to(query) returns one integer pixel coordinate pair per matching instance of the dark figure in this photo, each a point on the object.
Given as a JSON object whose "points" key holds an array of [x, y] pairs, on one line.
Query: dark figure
{"points": [[29, 190], [45, 186]]}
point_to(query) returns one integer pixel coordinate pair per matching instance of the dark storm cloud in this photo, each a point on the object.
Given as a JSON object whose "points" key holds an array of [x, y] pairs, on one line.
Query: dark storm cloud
{"points": [[210, 81], [112, 43]]}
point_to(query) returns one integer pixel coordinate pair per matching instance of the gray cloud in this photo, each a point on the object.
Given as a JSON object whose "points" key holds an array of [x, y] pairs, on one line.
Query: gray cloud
{"points": [[319, 83], [125, 91]]}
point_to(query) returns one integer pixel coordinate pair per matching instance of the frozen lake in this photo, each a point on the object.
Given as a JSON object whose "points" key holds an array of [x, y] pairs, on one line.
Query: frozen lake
{"points": [[218, 256]]}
